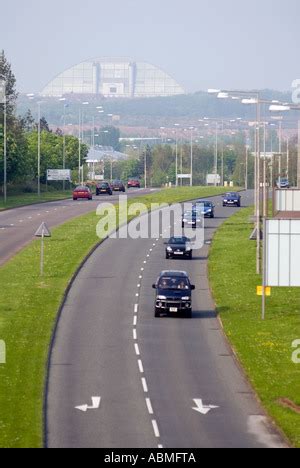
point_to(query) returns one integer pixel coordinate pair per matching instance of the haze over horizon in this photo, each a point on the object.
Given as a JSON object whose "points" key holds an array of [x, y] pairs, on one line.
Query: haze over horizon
{"points": [[201, 44]]}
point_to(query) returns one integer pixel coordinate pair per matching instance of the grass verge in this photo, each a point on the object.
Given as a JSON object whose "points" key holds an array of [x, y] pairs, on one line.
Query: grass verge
{"points": [[15, 201], [28, 309], [264, 348]]}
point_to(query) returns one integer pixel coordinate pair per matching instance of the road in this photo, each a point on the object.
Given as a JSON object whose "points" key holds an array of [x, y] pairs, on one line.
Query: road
{"points": [[150, 373], [18, 226]]}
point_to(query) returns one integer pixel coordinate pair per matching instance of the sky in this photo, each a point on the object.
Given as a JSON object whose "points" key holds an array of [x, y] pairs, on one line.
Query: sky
{"points": [[203, 44]]}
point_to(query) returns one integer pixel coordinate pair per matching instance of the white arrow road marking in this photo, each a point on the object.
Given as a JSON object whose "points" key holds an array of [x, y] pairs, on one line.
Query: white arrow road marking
{"points": [[96, 405], [203, 409]]}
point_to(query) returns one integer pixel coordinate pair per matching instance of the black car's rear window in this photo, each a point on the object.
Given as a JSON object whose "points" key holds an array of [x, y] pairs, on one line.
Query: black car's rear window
{"points": [[173, 283], [178, 240]]}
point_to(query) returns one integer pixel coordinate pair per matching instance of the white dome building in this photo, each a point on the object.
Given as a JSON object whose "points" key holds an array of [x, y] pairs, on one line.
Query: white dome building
{"points": [[109, 77]]}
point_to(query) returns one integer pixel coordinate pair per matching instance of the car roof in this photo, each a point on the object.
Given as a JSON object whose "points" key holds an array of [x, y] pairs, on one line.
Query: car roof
{"points": [[184, 238], [82, 187], [180, 274], [204, 201]]}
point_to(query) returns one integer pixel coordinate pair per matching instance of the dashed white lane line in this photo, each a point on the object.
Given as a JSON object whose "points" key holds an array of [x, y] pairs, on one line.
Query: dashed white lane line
{"points": [[149, 406], [155, 428], [136, 308], [137, 349], [137, 295], [160, 446], [138, 285], [141, 367], [145, 386], [135, 321], [134, 334], [142, 269]]}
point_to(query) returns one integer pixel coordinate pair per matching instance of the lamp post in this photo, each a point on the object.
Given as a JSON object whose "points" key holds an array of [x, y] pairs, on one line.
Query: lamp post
{"points": [[3, 100], [39, 148], [63, 100], [192, 155], [80, 139], [176, 133]]}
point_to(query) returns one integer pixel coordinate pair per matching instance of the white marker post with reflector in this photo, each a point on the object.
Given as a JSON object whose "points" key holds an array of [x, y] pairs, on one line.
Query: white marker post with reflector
{"points": [[42, 232]]}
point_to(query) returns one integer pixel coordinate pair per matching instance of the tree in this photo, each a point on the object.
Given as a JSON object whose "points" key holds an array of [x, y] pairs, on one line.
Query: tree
{"points": [[108, 136], [28, 121], [10, 79]]}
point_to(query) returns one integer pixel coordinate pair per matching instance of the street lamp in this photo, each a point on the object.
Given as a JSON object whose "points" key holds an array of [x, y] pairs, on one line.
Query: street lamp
{"points": [[3, 100], [63, 100], [192, 155], [176, 133]]}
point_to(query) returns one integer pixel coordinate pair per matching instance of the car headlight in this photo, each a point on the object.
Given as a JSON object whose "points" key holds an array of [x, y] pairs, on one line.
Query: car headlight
{"points": [[161, 298], [169, 249], [186, 298]]}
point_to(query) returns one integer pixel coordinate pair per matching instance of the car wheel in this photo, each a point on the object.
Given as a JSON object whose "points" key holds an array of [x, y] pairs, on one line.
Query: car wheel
{"points": [[74, 199], [157, 314], [191, 256], [189, 314]]}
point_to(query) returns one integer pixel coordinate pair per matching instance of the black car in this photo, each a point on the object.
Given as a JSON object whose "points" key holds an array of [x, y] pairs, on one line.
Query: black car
{"points": [[118, 186], [232, 199], [103, 189], [179, 247], [173, 294]]}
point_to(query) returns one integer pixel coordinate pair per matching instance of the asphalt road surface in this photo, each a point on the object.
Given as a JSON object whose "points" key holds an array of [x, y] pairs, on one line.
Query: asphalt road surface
{"points": [[18, 226], [152, 375]]}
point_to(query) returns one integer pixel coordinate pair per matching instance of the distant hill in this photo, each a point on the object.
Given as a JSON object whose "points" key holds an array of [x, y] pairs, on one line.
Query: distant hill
{"points": [[151, 112]]}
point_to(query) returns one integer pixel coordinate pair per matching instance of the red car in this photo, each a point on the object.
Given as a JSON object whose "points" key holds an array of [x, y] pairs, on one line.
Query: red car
{"points": [[134, 183], [82, 192]]}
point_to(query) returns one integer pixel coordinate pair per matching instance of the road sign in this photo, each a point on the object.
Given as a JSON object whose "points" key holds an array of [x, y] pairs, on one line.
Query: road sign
{"points": [[260, 290], [282, 246], [184, 176], [42, 232], [203, 409], [54, 175], [96, 401], [213, 179]]}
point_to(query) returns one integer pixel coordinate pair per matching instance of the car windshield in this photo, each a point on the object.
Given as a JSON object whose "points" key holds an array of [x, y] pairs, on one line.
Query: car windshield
{"points": [[232, 195], [81, 189], [104, 185], [174, 283], [178, 240]]}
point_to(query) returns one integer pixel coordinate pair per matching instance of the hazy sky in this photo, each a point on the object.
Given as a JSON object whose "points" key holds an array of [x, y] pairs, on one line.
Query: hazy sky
{"points": [[214, 43]]}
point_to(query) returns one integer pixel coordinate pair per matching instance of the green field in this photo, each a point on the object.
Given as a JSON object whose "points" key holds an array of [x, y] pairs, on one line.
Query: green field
{"points": [[28, 309], [264, 348]]}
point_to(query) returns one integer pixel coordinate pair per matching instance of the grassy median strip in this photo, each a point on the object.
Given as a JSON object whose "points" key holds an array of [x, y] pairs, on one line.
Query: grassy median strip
{"points": [[28, 308], [264, 348]]}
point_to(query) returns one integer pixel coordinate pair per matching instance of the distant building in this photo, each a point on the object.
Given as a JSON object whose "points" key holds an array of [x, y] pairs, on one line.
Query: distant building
{"points": [[118, 78]]}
